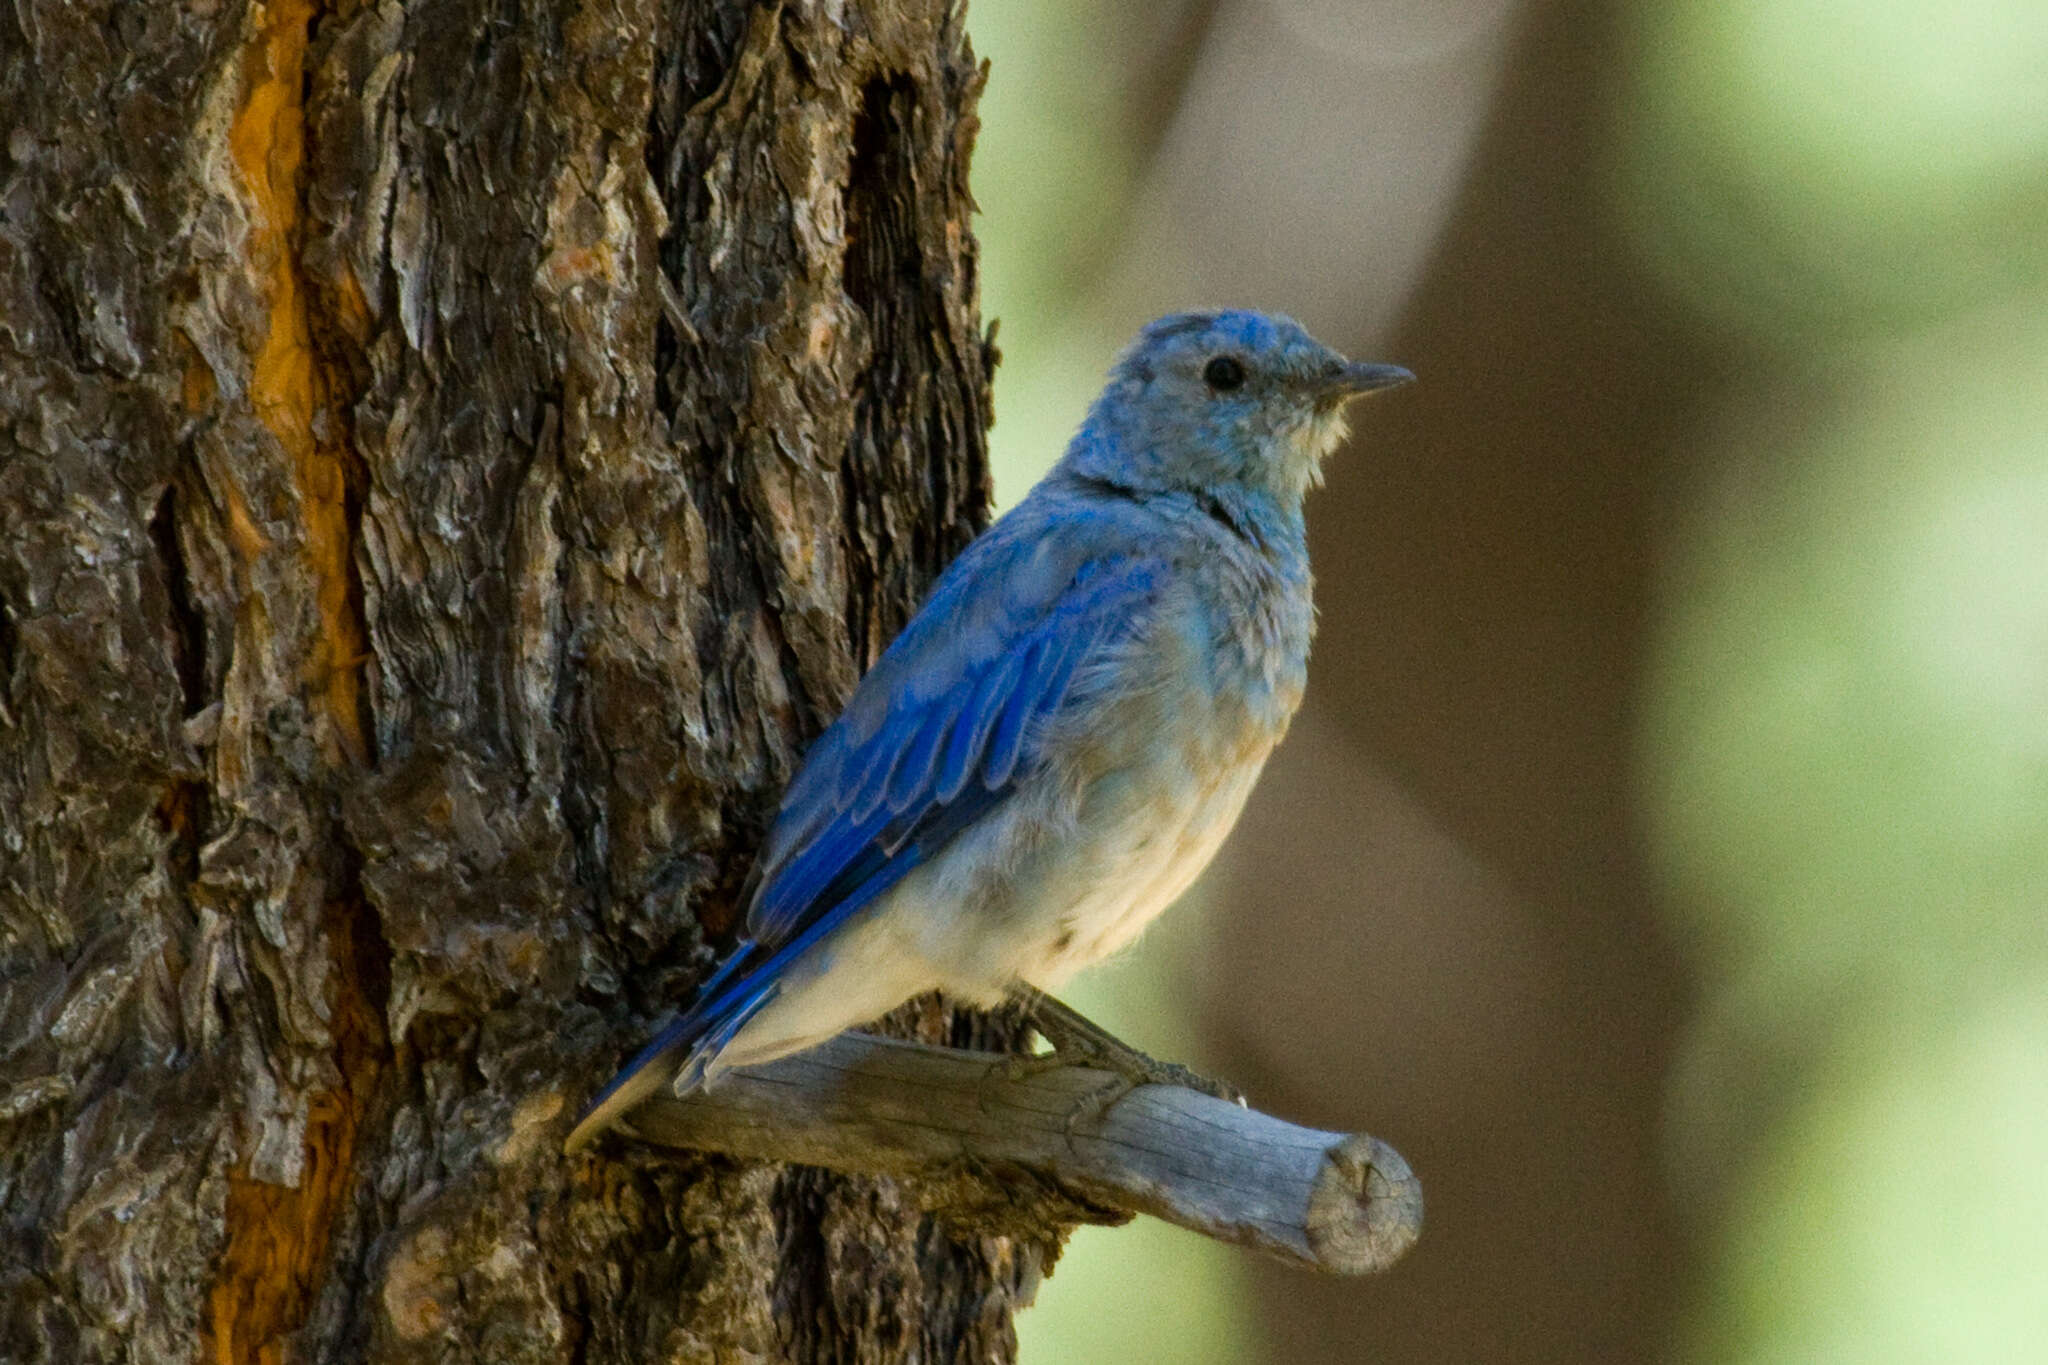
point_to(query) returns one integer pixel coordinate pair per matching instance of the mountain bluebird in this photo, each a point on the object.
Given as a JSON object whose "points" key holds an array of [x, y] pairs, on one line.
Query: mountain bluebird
{"points": [[1061, 737]]}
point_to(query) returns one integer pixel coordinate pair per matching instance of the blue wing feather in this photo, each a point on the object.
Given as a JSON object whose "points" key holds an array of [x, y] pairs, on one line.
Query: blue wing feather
{"points": [[969, 739], [912, 782], [1026, 702]]}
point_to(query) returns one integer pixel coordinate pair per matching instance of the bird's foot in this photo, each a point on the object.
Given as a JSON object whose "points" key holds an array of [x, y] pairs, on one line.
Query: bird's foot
{"points": [[1079, 1041]]}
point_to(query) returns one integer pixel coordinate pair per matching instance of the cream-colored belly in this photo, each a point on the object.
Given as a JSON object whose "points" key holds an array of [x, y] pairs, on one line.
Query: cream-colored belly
{"points": [[1126, 889]]}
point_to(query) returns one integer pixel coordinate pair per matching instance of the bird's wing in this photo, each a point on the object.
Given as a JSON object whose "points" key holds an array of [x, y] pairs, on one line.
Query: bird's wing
{"points": [[940, 730]]}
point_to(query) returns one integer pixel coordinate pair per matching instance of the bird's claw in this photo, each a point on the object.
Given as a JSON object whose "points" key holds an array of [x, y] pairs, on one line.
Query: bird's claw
{"points": [[1079, 1041]]}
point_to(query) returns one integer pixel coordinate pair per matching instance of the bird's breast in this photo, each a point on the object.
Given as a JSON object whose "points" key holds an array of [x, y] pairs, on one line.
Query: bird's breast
{"points": [[1161, 770], [1143, 837]]}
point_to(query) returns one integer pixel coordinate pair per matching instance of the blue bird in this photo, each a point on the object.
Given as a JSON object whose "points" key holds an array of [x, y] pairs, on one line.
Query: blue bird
{"points": [[1062, 736]]}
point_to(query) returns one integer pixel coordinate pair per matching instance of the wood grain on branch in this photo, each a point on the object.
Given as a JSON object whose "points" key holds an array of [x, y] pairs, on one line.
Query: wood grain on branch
{"points": [[1336, 1202]]}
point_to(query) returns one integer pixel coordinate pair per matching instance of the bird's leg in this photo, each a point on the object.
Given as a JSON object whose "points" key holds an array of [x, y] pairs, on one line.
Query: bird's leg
{"points": [[1078, 1040]]}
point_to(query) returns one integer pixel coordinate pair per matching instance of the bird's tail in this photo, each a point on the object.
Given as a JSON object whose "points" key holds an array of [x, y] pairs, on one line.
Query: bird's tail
{"points": [[680, 1053], [736, 992]]}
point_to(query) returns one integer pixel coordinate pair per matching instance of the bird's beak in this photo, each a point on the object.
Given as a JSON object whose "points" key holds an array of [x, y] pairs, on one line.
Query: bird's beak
{"points": [[1357, 377]]}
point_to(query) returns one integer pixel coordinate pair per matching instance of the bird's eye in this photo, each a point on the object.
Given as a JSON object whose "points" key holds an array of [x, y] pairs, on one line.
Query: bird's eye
{"points": [[1224, 373]]}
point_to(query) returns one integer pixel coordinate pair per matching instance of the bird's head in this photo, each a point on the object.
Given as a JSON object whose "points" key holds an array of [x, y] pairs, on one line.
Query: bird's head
{"points": [[1207, 399]]}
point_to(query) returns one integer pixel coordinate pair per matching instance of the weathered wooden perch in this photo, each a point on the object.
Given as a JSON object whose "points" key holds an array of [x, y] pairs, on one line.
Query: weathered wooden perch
{"points": [[1336, 1202]]}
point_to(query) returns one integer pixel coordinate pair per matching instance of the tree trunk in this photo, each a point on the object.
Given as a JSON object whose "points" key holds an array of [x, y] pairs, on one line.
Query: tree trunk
{"points": [[453, 454]]}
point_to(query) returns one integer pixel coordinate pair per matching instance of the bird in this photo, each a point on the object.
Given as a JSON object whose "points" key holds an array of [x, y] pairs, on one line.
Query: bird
{"points": [[1060, 738]]}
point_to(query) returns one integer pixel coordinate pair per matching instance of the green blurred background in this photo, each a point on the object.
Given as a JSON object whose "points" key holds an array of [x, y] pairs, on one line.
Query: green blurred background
{"points": [[1661, 862]]}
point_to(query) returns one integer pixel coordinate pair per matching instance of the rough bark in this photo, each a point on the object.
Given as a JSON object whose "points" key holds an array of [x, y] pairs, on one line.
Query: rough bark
{"points": [[452, 456]]}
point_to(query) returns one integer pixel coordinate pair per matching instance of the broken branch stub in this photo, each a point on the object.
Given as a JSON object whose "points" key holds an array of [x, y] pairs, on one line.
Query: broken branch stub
{"points": [[1344, 1203]]}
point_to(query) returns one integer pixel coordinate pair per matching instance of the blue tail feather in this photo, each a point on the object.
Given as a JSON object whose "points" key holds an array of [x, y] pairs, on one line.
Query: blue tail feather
{"points": [[686, 1048]]}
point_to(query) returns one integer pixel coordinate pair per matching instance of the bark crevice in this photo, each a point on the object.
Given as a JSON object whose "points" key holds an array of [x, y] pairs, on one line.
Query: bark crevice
{"points": [[10, 642], [187, 623]]}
